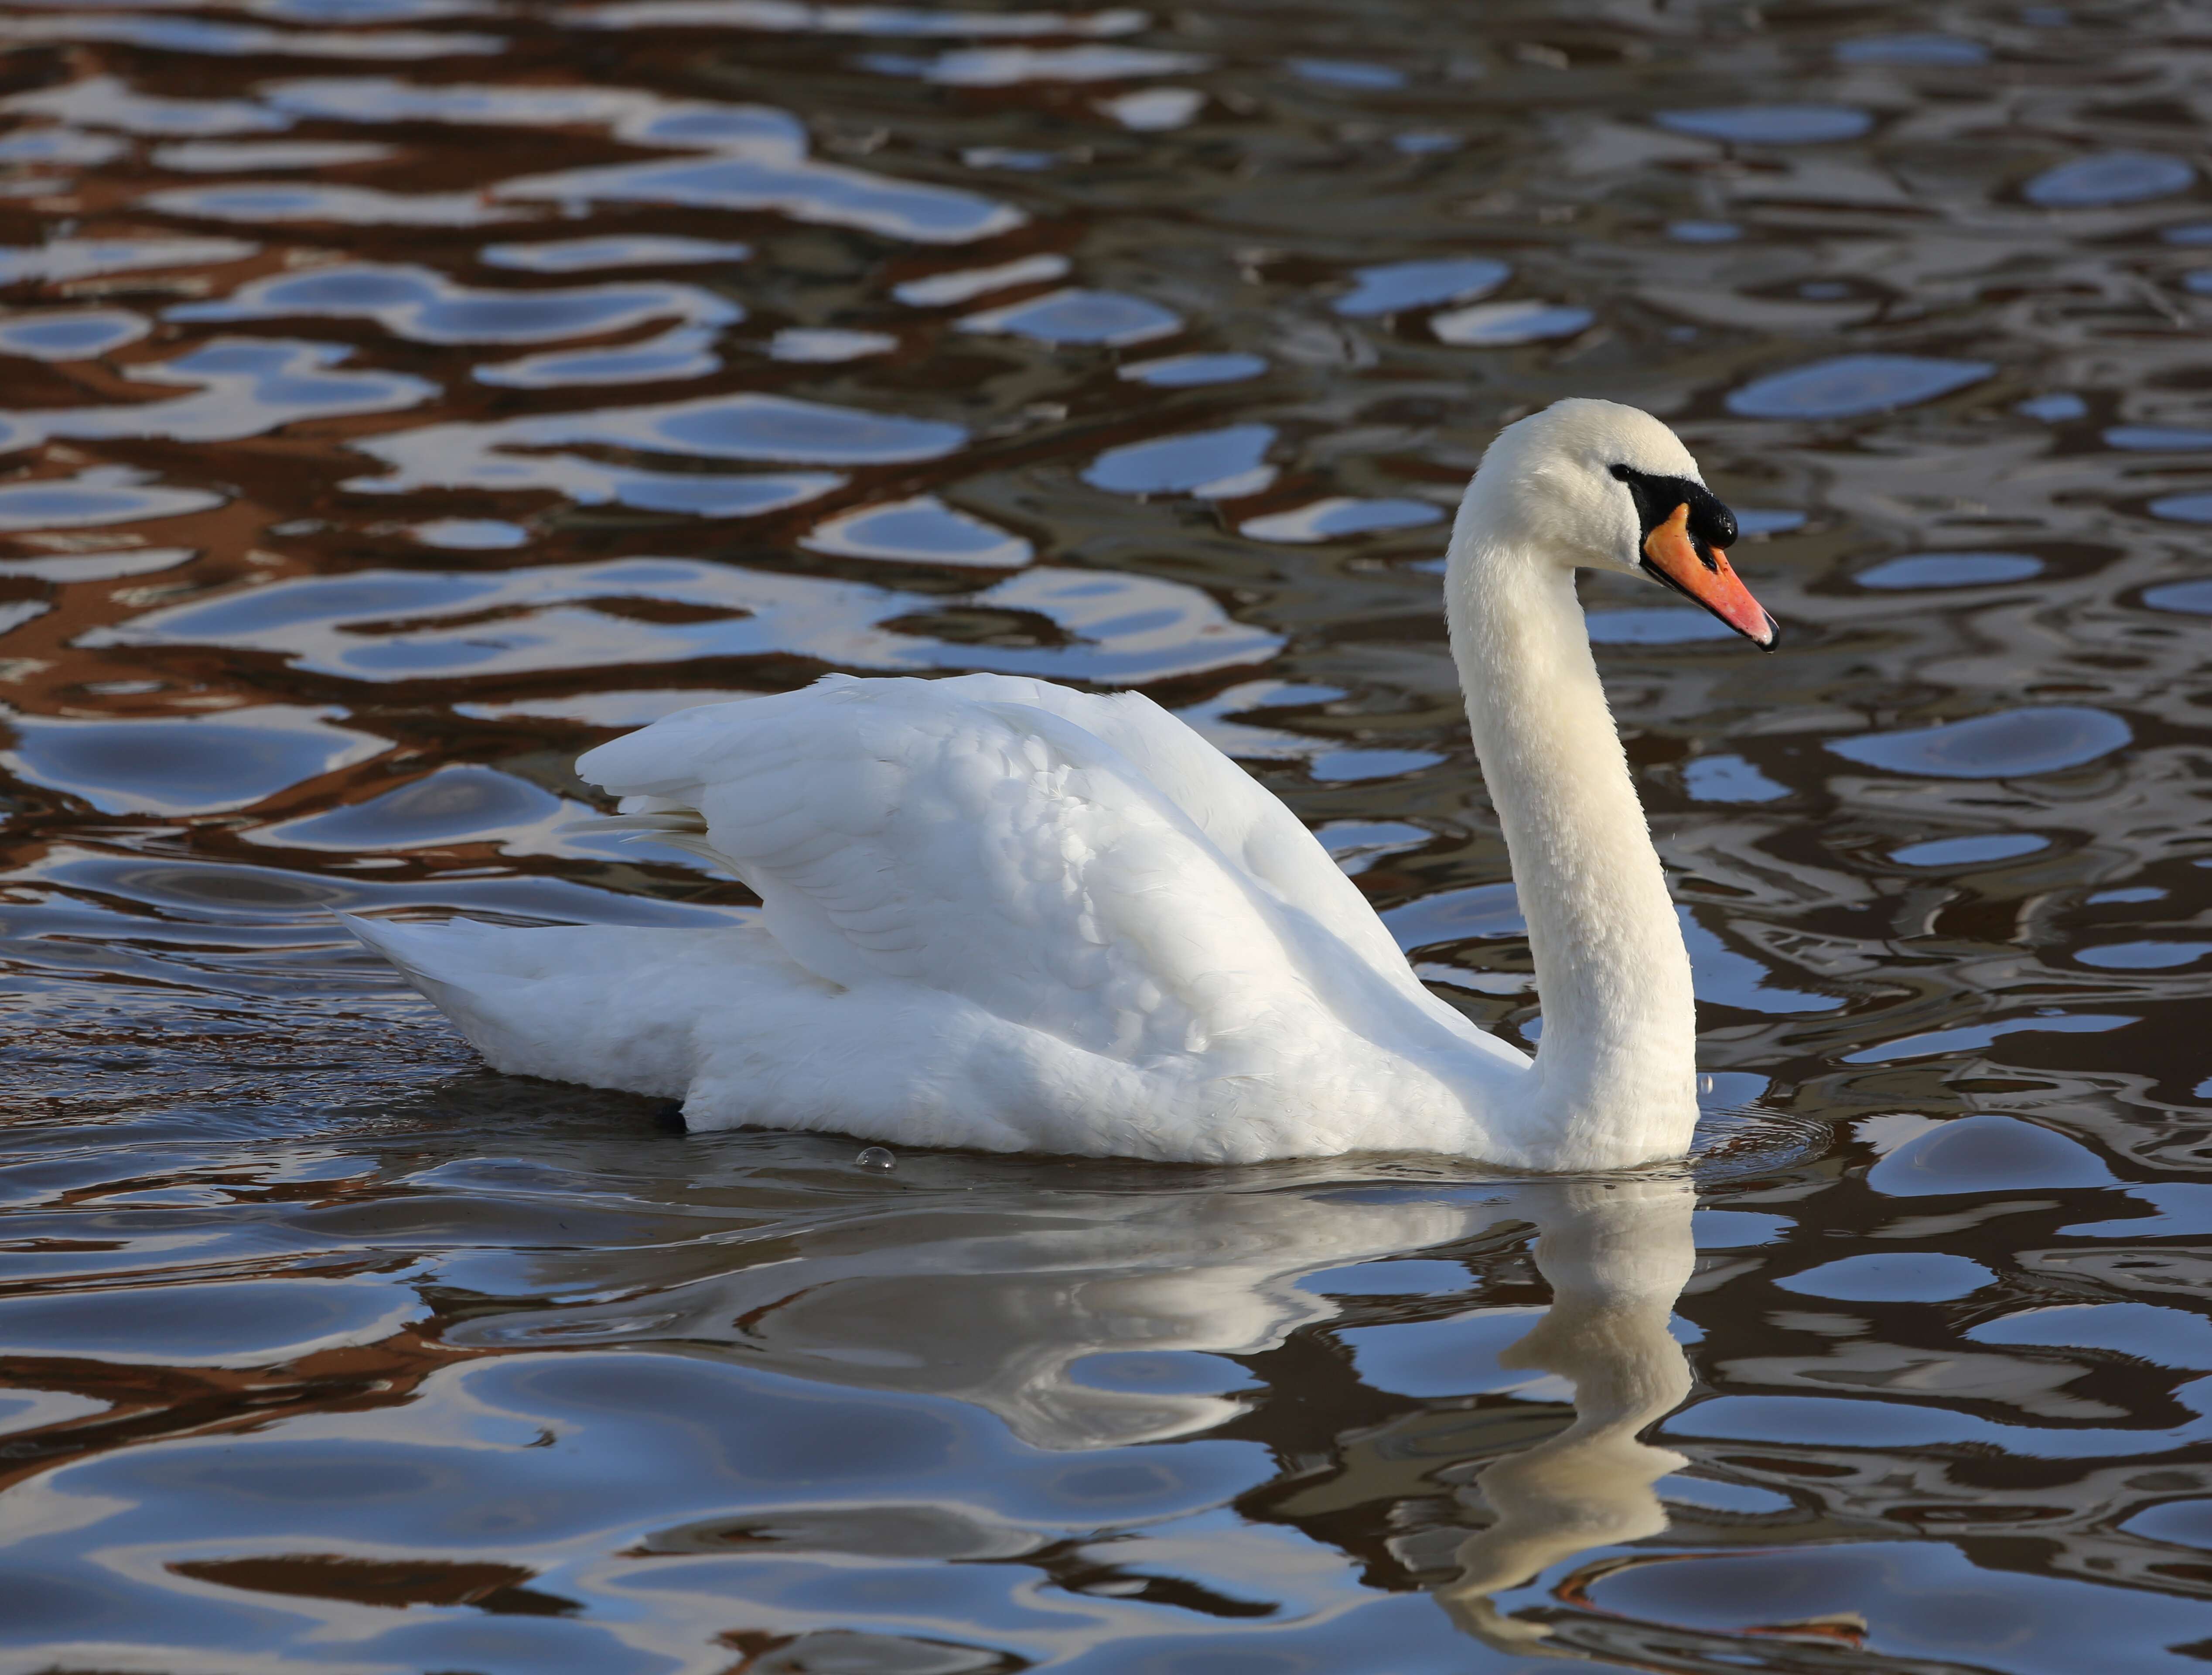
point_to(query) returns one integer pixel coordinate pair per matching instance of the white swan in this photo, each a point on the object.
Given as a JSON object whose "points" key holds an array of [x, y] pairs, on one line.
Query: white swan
{"points": [[1003, 915]]}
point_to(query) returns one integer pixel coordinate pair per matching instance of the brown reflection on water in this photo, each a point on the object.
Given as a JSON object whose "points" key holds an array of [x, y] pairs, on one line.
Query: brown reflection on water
{"points": [[404, 396]]}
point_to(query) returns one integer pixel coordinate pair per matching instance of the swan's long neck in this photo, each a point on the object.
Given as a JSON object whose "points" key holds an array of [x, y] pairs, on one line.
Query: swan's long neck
{"points": [[1617, 1065]]}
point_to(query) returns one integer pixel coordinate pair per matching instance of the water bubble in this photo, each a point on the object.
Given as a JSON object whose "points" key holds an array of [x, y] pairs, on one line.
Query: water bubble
{"points": [[877, 1158], [1716, 1092]]}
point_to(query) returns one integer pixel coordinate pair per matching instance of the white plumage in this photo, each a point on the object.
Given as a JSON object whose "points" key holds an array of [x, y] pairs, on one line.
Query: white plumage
{"points": [[1004, 915]]}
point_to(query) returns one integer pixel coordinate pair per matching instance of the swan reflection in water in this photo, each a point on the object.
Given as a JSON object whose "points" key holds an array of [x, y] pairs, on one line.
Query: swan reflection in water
{"points": [[1616, 1257], [1072, 1315]]}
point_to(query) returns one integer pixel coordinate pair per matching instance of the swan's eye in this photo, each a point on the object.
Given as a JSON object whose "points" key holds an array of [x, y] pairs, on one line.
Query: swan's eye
{"points": [[1711, 524]]}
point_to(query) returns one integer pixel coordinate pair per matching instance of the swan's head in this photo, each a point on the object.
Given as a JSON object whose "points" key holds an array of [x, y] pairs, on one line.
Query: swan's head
{"points": [[1601, 486]]}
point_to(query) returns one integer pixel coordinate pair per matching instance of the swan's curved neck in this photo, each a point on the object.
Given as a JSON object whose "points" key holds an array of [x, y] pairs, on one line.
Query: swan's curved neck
{"points": [[1617, 1065]]}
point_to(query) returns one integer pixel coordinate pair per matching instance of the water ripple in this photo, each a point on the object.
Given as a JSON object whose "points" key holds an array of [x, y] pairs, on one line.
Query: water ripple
{"points": [[348, 497], [383, 625], [242, 386], [423, 306]]}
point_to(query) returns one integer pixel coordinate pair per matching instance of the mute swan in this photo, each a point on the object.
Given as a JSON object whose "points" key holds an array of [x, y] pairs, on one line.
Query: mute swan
{"points": [[1003, 915]]}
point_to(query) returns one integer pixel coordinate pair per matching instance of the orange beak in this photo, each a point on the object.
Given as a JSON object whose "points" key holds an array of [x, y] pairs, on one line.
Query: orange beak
{"points": [[1671, 555]]}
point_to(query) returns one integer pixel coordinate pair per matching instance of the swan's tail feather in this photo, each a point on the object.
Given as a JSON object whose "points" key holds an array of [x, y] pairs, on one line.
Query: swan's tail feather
{"points": [[471, 973], [456, 967], [443, 956], [394, 943], [614, 1006]]}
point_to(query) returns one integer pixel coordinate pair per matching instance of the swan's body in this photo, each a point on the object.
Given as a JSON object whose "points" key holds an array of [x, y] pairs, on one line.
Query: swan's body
{"points": [[1004, 915]]}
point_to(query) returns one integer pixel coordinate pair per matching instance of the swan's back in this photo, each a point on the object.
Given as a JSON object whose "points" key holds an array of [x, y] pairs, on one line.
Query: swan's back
{"points": [[998, 913], [1086, 865]]}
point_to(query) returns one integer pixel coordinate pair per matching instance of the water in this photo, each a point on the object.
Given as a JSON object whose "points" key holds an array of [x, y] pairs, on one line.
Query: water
{"points": [[404, 395]]}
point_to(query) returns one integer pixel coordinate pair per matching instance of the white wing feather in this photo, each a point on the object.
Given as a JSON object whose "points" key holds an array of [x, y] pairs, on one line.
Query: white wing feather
{"points": [[1245, 821], [930, 833]]}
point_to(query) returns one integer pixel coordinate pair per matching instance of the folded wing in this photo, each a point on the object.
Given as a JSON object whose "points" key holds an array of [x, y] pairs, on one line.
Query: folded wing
{"points": [[959, 835]]}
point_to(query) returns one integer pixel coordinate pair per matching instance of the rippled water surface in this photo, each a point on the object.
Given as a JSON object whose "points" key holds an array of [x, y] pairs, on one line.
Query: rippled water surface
{"points": [[404, 395]]}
